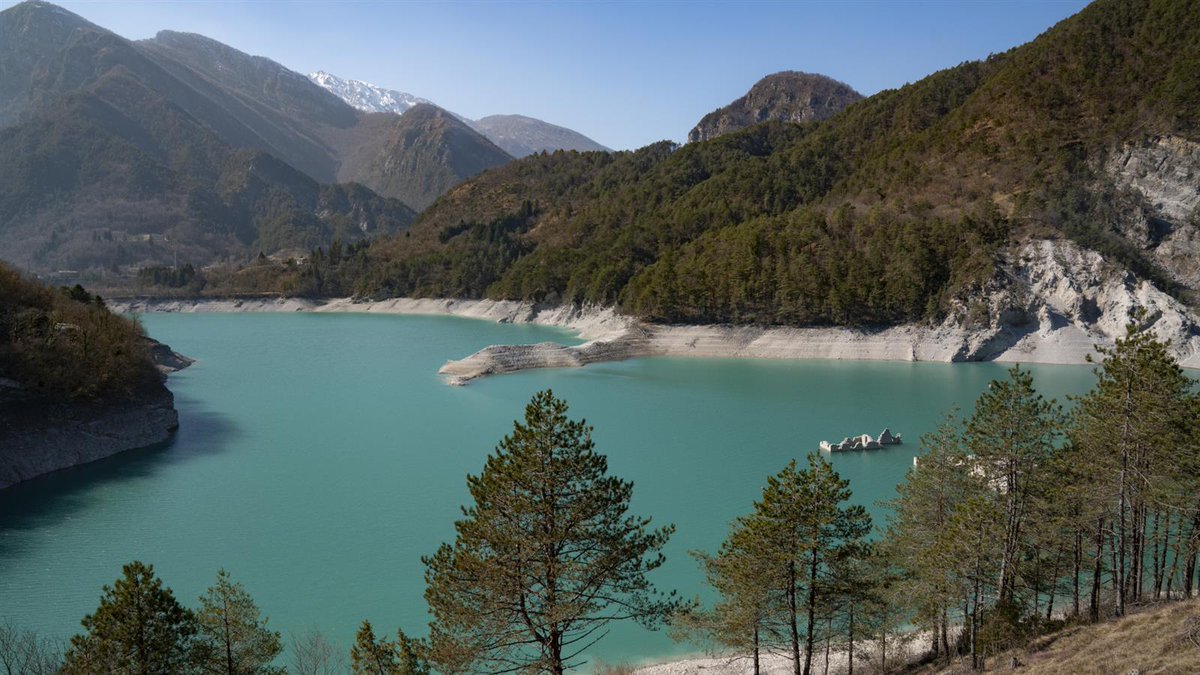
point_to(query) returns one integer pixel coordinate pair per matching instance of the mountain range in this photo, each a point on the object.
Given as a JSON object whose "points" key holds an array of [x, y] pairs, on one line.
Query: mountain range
{"points": [[519, 135], [122, 153], [1050, 185]]}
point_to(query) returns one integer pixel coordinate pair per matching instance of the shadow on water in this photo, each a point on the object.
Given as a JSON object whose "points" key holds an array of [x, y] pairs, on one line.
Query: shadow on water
{"points": [[63, 494]]}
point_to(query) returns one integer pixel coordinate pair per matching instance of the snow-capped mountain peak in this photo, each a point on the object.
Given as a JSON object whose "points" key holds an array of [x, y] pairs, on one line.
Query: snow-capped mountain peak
{"points": [[364, 96]]}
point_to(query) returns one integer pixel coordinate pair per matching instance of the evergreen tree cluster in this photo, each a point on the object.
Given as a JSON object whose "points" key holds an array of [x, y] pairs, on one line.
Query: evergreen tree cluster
{"points": [[1013, 522], [65, 344], [139, 627]]}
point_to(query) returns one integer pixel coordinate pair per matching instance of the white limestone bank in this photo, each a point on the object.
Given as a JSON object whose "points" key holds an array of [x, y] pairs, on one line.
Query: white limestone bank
{"points": [[1052, 302]]}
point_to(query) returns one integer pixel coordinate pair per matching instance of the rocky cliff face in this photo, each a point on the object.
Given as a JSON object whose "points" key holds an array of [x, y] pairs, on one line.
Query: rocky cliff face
{"points": [[1162, 175], [1054, 301], [788, 96], [39, 436]]}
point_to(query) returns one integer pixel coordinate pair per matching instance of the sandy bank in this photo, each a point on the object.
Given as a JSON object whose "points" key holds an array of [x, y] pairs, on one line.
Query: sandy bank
{"points": [[589, 323], [1048, 338], [905, 647]]}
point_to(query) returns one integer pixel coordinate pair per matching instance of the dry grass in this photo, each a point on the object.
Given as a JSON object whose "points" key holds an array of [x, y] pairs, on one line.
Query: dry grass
{"points": [[1163, 639]]}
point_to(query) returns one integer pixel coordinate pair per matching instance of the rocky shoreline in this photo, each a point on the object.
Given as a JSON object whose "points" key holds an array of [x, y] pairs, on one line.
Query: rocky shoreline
{"points": [[40, 436], [1056, 304]]}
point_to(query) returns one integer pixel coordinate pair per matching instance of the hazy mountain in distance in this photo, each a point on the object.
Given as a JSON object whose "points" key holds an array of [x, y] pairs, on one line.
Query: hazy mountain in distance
{"points": [[518, 135], [109, 147], [118, 153], [522, 136]]}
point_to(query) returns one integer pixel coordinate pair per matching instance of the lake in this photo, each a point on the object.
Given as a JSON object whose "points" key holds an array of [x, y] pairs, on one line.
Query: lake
{"points": [[319, 456]]}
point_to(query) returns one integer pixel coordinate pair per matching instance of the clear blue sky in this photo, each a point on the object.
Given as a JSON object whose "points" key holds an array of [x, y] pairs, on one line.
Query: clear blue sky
{"points": [[624, 73]]}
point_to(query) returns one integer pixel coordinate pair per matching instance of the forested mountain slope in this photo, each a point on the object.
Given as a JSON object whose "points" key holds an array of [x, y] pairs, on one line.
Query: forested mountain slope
{"points": [[419, 154], [902, 207], [119, 175]]}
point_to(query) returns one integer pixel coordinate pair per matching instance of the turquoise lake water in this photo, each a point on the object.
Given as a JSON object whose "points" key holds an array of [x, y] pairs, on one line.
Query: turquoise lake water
{"points": [[320, 456]]}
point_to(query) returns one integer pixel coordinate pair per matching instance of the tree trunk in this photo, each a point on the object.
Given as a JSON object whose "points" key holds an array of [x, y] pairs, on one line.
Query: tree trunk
{"points": [[1189, 574], [1120, 582], [828, 639], [850, 630], [757, 664], [1078, 564], [810, 634], [1053, 582], [946, 633], [1176, 551], [1094, 609], [556, 663], [1123, 504], [1158, 568], [975, 628], [792, 611]]}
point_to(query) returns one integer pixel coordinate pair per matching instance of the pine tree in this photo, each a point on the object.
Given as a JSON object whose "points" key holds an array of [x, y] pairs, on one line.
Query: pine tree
{"points": [[1012, 436], [967, 551], [139, 628], [545, 557], [1136, 433], [924, 504], [747, 617], [233, 638], [410, 655], [371, 656], [806, 530]]}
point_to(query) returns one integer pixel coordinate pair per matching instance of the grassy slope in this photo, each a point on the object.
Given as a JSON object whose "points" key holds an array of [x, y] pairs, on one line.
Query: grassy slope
{"points": [[1163, 639]]}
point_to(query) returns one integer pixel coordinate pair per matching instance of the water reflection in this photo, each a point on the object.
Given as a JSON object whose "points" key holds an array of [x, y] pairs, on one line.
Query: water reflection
{"points": [[62, 495]]}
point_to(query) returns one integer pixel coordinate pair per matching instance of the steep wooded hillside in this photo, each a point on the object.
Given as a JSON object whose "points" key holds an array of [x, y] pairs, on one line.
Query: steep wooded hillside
{"points": [[897, 209]]}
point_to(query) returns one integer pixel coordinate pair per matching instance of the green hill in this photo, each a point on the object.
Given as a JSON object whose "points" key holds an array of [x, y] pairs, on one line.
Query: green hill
{"points": [[896, 209], [64, 344]]}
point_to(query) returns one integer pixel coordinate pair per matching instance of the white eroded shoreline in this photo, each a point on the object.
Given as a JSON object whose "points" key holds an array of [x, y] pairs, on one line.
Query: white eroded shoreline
{"points": [[612, 337]]}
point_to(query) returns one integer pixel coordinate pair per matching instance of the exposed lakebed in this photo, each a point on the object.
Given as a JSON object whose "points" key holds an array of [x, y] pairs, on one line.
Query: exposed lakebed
{"points": [[320, 455]]}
